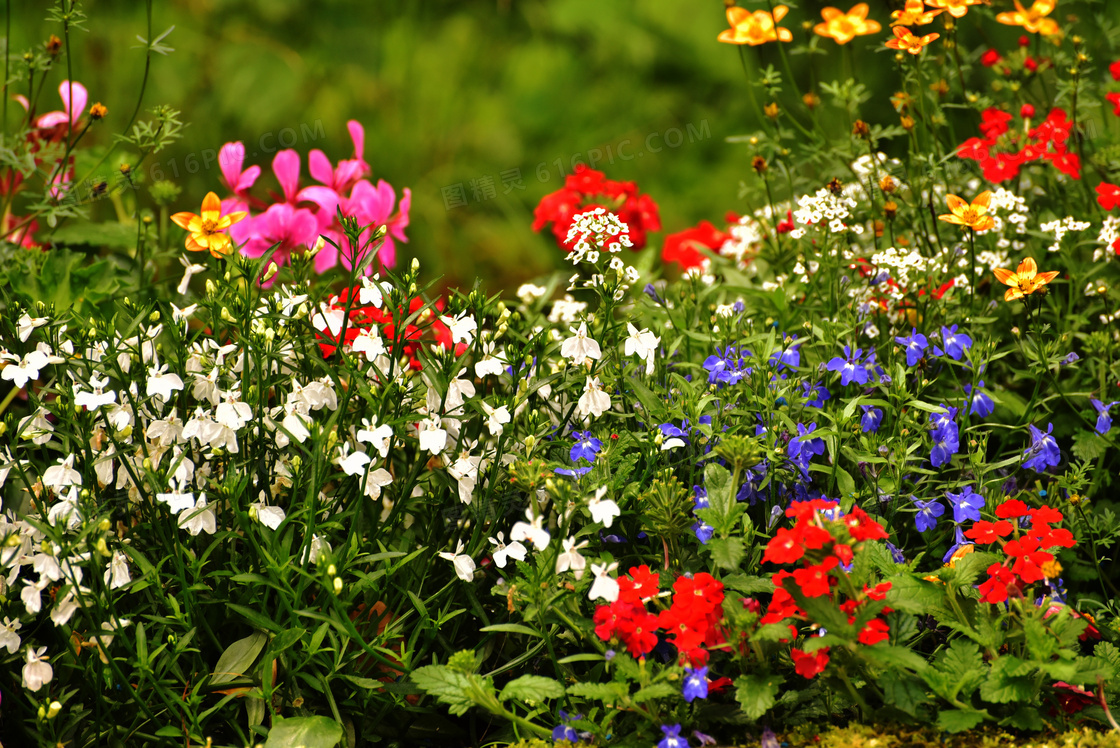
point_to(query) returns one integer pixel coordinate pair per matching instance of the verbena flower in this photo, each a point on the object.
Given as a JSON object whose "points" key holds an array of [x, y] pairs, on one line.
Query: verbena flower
{"points": [[1043, 451]]}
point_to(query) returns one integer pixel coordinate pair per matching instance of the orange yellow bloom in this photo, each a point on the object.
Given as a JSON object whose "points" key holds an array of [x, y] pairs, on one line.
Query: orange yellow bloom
{"points": [[956, 8], [843, 27], [755, 28], [1033, 20], [974, 216], [206, 229], [908, 42], [1025, 280], [914, 14]]}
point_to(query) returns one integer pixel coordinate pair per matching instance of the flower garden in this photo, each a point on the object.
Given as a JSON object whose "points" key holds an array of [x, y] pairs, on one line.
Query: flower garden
{"points": [[842, 457]]}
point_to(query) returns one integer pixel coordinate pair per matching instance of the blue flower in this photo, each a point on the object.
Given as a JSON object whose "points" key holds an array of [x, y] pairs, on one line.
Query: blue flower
{"points": [[946, 443], [955, 343], [850, 367], [871, 420], [788, 358], [896, 553], [564, 731], [672, 737], [1043, 452], [947, 418], [586, 447], [916, 345], [817, 392], [1104, 420], [981, 404], [928, 512], [961, 542], [727, 366], [703, 531], [966, 504], [802, 449], [695, 683], [573, 472]]}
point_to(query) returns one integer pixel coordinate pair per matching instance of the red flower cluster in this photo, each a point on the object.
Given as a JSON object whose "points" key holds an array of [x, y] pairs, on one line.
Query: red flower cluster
{"points": [[587, 189], [814, 544], [426, 329], [692, 620], [1027, 553], [685, 247], [1108, 195], [1048, 141]]}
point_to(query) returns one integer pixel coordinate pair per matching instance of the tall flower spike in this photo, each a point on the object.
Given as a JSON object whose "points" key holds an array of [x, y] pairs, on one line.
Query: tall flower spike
{"points": [[1025, 280], [974, 216], [755, 28]]}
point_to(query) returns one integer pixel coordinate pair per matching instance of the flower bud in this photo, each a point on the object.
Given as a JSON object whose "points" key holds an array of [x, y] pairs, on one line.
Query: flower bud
{"points": [[332, 570], [337, 585], [54, 709], [270, 272]]}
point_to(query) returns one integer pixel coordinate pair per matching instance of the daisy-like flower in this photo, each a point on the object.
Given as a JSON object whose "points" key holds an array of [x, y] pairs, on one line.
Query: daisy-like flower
{"points": [[906, 41], [956, 8], [1025, 280], [914, 14], [974, 216], [843, 27], [1034, 20], [206, 229], [755, 28]]}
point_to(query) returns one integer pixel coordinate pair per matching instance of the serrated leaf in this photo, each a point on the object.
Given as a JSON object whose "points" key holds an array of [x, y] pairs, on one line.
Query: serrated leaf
{"points": [[1008, 681], [963, 664], [654, 691], [904, 691], [463, 661], [959, 720], [304, 732], [727, 553], [747, 585], [888, 655], [1088, 446], [532, 688], [449, 686], [608, 693], [757, 693]]}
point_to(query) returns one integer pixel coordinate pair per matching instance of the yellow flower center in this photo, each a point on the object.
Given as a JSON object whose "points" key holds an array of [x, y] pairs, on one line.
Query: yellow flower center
{"points": [[209, 226]]}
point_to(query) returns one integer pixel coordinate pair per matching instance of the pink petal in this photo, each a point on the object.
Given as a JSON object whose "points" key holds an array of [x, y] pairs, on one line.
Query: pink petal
{"points": [[22, 101], [244, 230], [320, 167], [286, 168], [230, 159], [75, 108], [358, 135], [50, 119], [328, 255], [398, 226], [303, 228], [326, 198], [248, 179]]}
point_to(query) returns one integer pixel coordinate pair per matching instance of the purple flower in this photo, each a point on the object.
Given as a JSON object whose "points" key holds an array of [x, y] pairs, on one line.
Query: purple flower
{"points": [[928, 512], [672, 737], [946, 442], [981, 404], [573, 472], [695, 683], [586, 447], [802, 449], [955, 343], [1043, 452], [960, 543], [850, 367], [871, 420], [966, 504], [916, 345], [817, 392], [769, 739], [788, 358], [1104, 420], [727, 366], [564, 731], [942, 420], [896, 553]]}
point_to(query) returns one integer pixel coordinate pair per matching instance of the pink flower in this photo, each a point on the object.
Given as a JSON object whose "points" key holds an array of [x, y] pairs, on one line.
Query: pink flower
{"points": [[281, 225], [72, 111], [369, 205], [230, 159], [348, 172]]}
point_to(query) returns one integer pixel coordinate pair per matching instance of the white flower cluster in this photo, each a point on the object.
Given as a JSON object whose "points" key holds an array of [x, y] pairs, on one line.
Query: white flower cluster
{"points": [[595, 231], [1059, 227], [824, 206], [1109, 234], [1007, 208], [900, 263]]}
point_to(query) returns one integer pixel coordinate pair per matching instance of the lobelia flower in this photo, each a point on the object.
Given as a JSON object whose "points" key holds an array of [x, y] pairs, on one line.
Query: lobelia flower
{"points": [[966, 504], [533, 530], [503, 551], [642, 344], [579, 347], [593, 401], [1104, 420], [605, 587], [586, 447], [464, 564], [1043, 451], [871, 420], [955, 343], [37, 672], [980, 404], [198, 518], [915, 344], [602, 510], [803, 449], [496, 418], [672, 733], [695, 684], [571, 559], [928, 512], [850, 367], [21, 371]]}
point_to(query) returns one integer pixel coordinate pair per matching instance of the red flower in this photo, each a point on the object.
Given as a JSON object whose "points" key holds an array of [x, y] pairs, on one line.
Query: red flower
{"points": [[786, 225], [1108, 195], [784, 548], [995, 589], [1012, 508], [685, 246], [586, 189], [1066, 162], [874, 632], [990, 58], [1026, 111], [1114, 68], [984, 532], [878, 592], [1046, 515], [809, 665], [814, 580], [1114, 99], [1031, 65], [638, 633], [994, 122], [862, 527], [646, 582]]}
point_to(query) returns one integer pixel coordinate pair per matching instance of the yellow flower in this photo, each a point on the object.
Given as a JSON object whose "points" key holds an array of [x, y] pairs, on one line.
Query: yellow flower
{"points": [[956, 8], [914, 14], [1033, 20], [1025, 280], [907, 42], [974, 216], [755, 28], [206, 229], [843, 27]]}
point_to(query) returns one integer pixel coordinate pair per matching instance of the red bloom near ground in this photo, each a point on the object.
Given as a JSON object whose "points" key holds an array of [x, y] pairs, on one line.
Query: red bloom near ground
{"points": [[586, 189]]}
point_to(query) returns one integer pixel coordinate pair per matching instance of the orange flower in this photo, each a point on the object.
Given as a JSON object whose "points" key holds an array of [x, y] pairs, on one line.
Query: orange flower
{"points": [[914, 14], [956, 8], [974, 216], [206, 229], [1025, 280], [755, 28], [907, 42], [1033, 20], [843, 27]]}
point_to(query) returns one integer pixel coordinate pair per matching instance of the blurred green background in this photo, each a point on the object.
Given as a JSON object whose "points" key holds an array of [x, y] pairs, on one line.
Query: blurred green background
{"points": [[450, 93]]}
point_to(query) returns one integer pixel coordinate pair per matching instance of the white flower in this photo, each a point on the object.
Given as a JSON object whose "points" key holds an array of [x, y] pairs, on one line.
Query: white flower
{"points": [[26, 369], [490, 363], [329, 318], [603, 510], [580, 347], [605, 586], [176, 499], [503, 552], [232, 413], [379, 437], [571, 558], [62, 475], [433, 438], [372, 292], [191, 269], [533, 531], [64, 609], [353, 463], [32, 594], [462, 327], [593, 401], [369, 342], [377, 480], [199, 518], [9, 639], [66, 511], [464, 564], [528, 293], [27, 323], [269, 516], [317, 548], [117, 572], [641, 344], [162, 384], [37, 672], [296, 425], [95, 398], [496, 418], [182, 316]]}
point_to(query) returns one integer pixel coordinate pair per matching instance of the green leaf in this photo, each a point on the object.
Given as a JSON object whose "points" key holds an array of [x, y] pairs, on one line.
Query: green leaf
{"points": [[304, 732], [584, 657], [1040, 642], [449, 686], [1088, 446], [1025, 718], [608, 693], [654, 691], [511, 628], [747, 585], [1008, 681], [904, 691], [286, 639], [917, 596], [238, 658], [532, 689], [969, 569], [962, 663], [255, 618], [845, 483], [959, 720], [889, 655], [115, 235], [727, 553], [757, 693]]}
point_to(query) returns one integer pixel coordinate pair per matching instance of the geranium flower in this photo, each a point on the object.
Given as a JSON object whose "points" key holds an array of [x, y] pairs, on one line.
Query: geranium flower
{"points": [[1025, 280], [908, 42], [914, 14], [1034, 21], [206, 229], [843, 27], [974, 216], [956, 8], [755, 28]]}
